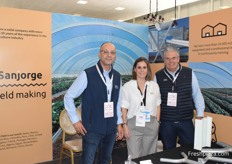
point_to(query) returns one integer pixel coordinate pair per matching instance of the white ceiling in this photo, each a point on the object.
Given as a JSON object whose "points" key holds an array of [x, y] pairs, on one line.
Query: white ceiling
{"points": [[104, 9]]}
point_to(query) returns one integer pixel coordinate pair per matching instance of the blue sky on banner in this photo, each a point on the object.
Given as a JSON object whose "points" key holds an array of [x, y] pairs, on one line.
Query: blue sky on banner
{"points": [[76, 41]]}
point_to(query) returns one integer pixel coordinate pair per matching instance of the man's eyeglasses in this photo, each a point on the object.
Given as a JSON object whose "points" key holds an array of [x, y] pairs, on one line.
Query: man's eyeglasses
{"points": [[108, 52]]}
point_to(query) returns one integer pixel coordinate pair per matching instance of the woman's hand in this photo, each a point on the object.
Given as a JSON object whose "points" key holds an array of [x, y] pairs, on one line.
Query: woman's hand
{"points": [[120, 132], [126, 131]]}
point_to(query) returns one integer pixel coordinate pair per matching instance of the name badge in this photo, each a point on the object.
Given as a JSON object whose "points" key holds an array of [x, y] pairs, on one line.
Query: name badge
{"points": [[108, 109], [172, 99], [140, 119], [147, 115]]}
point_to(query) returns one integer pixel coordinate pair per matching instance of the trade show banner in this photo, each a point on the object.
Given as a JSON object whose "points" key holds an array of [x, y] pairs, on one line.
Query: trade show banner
{"points": [[211, 39], [210, 49], [25, 86]]}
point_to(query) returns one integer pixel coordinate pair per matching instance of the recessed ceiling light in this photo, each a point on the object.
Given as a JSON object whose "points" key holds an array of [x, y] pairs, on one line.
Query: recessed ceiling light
{"points": [[224, 7], [83, 2], [77, 14], [119, 8]]}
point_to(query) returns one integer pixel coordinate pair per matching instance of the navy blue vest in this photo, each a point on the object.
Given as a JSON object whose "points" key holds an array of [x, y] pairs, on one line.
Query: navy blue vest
{"points": [[93, 99], [183, 88]]}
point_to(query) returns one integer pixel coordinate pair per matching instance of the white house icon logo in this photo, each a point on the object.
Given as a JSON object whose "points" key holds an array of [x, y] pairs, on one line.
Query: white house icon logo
{"points": [[212, 31]]}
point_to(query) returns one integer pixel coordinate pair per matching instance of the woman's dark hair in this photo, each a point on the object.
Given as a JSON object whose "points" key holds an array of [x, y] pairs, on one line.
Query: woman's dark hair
{"points": [[149, 73]]}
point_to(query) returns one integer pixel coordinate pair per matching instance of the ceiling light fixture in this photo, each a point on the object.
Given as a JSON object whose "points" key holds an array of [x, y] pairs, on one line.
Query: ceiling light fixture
{"points": [[151, 18], [119, 8], [83, 2], [174, 23], [166, 25], [224, 7]]}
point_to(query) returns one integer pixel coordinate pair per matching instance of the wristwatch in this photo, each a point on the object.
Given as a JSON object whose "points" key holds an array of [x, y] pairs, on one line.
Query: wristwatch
{"points": [[124, 123]]}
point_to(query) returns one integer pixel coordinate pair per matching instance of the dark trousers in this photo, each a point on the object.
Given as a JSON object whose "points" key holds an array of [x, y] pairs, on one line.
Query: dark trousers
{"points": [[102, 144], [181, 130]]}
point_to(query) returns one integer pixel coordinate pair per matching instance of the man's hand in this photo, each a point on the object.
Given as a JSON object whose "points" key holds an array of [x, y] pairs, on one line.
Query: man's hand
{"points": [[80, 128], [120, 132]]}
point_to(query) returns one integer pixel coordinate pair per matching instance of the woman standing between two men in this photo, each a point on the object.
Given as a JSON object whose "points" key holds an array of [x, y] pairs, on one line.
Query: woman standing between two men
{"points": [[140, 110]]}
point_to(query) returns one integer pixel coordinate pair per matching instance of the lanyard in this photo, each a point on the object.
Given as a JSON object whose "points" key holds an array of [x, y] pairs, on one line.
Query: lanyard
{"points": [[108, 85], [143, 96], [173, 79]]}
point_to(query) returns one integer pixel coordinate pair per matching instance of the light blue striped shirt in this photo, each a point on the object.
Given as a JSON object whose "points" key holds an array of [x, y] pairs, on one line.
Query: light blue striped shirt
{"points": [[76, 89]]}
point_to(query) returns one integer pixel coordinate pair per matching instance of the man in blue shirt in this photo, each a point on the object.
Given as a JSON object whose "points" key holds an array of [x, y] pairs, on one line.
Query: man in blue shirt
{"points": [[180, 95], [99, 87]]}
